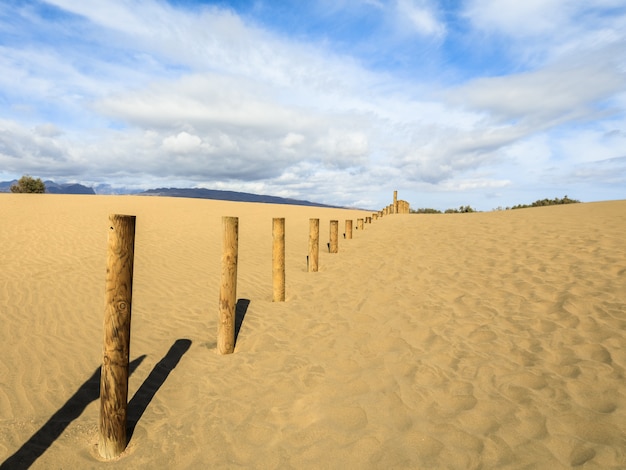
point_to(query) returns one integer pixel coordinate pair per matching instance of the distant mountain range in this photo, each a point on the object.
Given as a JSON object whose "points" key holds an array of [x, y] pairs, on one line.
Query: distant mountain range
{"points": [[53, 188], [202, 193], [199, 193]]}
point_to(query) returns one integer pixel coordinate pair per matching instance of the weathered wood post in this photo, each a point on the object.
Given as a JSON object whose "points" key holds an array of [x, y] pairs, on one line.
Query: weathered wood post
{"points": [[333, 246], [395, 202], [359, 224], [278, 260], [349, 229], [228, 286], [117, 311], [314, 245]]}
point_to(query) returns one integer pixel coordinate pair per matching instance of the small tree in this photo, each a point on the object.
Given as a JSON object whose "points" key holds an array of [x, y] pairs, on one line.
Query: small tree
{"points": [[28, 184]]}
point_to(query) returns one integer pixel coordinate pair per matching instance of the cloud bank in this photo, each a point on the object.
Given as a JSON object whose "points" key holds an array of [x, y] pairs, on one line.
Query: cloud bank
{"points": [[487, 103]]}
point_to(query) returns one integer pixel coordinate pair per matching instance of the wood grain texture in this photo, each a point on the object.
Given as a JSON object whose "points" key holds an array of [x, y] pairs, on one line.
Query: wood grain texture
{"points": [[278, 260], [117, 315], [314, 245], [333, 247], [228, 286], [349, 229]]}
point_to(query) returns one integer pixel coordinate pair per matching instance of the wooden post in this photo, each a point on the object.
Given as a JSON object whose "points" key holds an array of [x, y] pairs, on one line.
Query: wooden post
{"points": [[348, 229], [333, 246], [228, 286], [314, 244], [395, 202], [278, 260], [117, 310], [359, 224]]}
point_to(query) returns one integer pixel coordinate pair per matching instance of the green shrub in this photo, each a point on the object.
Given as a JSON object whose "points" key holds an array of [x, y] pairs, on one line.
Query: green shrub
{"points": [[28, 184], [547, 202], [460, 210], [425, 211]]}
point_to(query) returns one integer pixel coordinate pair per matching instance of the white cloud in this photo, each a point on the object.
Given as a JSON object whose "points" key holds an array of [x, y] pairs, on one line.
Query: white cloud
{"points": [[611, 171], [422, 17], [473, 184], [48, 130], [182, 143], [520, 18], [121, 16], [536, 33], [575, 89], [344, 148], [207, 97], [292, 139]]}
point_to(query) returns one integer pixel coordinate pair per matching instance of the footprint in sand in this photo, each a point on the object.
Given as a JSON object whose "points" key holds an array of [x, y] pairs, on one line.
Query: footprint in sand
{"points": [[532, 424], [581, 455], [595, 352], [589, 396], [483, 335]]}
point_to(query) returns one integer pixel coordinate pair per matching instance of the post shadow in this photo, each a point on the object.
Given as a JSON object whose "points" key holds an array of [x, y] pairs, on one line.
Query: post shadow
{"points": [[142, 398], [41, 441], [240, 313]]}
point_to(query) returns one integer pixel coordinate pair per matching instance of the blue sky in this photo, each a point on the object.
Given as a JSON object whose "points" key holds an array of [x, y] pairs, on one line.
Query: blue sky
{"points": [[482, 102]]}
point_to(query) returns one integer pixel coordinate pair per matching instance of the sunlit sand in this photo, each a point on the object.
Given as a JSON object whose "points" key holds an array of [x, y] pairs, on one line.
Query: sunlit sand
{"points": [[484, 340]]}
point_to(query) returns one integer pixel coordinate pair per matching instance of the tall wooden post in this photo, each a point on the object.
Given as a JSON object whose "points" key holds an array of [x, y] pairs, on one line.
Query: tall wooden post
{"points": [[359, 224], [333, 246], [278, 260], [117, 311], [314, 244], [395, 202], [348, 229], [228, 286]]}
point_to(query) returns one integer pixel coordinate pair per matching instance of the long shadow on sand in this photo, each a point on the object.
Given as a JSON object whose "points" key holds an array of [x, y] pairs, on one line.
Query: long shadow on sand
{"points": [[240, 313], [90, 391], [142, 398], [54, 427]]}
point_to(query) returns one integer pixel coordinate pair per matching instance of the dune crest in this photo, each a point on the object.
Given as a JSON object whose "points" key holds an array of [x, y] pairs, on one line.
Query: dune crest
{"points": [[484, 340]]}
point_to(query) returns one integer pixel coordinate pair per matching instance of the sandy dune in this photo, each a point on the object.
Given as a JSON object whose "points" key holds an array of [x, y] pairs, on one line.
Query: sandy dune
{"points": [[486, 340]]}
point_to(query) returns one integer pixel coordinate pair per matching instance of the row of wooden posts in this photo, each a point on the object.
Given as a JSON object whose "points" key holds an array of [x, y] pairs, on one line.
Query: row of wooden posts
{"points": [[118, 299]]}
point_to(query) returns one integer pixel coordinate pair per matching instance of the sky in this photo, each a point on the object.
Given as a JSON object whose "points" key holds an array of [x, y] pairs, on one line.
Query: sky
{"points": [[488, 103]]}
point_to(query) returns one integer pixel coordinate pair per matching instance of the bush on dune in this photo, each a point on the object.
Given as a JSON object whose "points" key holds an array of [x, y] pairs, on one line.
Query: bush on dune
{"points": [[28, 184], [547, 202], [466, 209]]}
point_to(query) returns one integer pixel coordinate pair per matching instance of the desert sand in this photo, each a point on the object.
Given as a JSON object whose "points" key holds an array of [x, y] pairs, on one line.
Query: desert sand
{"points": [[483, 340]]}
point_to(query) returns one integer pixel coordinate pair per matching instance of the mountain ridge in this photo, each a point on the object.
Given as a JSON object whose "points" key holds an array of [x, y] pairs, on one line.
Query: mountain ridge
{"points": [[196, 193], [236, 196]]}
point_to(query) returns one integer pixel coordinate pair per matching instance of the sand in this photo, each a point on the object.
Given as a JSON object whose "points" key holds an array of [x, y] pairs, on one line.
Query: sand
{"points": [[484, 340]]}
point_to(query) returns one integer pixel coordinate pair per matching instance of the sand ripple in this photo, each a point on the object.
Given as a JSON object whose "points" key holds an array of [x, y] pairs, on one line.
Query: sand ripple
{"points": [[493, 340]]}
